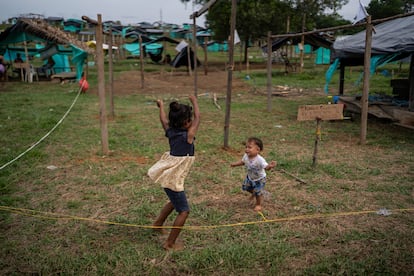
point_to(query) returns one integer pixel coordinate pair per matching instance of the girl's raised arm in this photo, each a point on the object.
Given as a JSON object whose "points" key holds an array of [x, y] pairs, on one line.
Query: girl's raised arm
{"points": [[196, 120], [163, 117]]}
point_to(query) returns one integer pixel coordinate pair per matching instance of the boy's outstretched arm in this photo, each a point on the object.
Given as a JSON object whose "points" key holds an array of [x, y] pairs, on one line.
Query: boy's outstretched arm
{"points": [[163, 117], [238, 163], [271, 165], [196, 120]]}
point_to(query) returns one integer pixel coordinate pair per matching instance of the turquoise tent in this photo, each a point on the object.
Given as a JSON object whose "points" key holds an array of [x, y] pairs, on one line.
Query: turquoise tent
{"points": [[323, 56], [57, 43], [306, 50], [134, 48], [217, 47]]}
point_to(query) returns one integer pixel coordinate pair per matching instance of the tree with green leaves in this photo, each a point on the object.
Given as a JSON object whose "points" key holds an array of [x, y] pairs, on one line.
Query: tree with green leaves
{"points": [[256, 17], [386, 8]]}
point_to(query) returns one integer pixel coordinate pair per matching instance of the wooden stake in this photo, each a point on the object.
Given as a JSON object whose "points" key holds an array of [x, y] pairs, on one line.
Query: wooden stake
{"points": [[230, 67], [101, 86], [411, 80], [302, 42], [141, 59], [27, 71], [111, 74], [269, 71], [195, 55], [365, 92], [317, 139], [205, 56], [189, 59]]}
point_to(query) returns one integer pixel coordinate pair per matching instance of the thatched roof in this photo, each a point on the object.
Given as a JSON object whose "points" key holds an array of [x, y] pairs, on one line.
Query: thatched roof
{"points": [[41, 29]]}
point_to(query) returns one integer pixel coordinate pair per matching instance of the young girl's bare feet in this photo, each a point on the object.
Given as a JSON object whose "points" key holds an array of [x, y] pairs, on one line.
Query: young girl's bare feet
{"points": [[177, 246], [160, 231]]}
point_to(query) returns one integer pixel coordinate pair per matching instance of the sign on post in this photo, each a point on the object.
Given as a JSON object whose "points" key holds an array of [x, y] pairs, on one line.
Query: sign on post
{"points": [[319, 113], [322, 112]]}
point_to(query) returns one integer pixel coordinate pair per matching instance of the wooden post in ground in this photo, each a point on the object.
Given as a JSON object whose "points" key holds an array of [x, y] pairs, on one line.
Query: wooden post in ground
{"points": [[341, 78], [111, 74], [302, 50], [319, 113], [365, 90], [195, 54], [189, 59], [317, 139], [411, 81], [27, 70], [247, 57], [101, 86], [205, 56], [141, 61], [269, 71], [230, 67]]}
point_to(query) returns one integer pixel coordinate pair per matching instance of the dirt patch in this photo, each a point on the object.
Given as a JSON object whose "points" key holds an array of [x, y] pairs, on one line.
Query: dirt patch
{"points": [[174, 83]]}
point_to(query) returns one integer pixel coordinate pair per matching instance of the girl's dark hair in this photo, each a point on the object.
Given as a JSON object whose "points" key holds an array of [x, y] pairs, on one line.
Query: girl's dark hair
{"points": [[179, 115], [257, 141]]}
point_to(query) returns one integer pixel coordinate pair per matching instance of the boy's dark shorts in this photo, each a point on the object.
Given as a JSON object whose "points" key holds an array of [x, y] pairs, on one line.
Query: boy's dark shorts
{"points": [[178, 200], [255, 187]]}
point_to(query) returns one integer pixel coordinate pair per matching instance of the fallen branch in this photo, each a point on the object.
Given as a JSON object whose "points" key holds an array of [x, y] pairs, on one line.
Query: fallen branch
{"points": [[215, 101], [293, 176]]}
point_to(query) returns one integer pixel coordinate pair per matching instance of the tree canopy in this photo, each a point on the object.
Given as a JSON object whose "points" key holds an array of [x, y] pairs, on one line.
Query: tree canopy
{"points": [[256, 17], [386, 8]]}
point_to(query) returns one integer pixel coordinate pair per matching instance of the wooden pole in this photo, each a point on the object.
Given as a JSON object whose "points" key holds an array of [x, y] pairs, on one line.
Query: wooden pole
{"points": [[269, 71], [111, 74], [189, 59], [287, 31], [302, 42], [101, 86], [195, 54], [411, 81], [141, 60], [241, 58], [230, 67], [317, 139], [247, 58], [27, 65], [205, 56], [341, 78], [365, 92]]}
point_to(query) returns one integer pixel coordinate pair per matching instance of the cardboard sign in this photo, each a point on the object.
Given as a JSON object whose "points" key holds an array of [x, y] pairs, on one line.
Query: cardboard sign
{"points": [[322, 111], [181, 46]]}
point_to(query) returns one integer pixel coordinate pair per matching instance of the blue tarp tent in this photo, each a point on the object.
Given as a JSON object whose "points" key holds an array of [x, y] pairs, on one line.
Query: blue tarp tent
{"points": [[392, 41]]}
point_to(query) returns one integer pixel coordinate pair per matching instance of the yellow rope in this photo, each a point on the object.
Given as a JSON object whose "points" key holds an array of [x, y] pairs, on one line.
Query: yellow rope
{"points": [[48, 215]]}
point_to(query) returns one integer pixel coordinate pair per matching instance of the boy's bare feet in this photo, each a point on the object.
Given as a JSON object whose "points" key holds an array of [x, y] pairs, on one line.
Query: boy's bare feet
{"points": [[258, 208], [252, 199]]}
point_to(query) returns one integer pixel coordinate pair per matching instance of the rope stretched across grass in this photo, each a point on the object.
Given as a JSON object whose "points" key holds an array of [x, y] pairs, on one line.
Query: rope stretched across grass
{"points": [[55, 216], [47, 134]]}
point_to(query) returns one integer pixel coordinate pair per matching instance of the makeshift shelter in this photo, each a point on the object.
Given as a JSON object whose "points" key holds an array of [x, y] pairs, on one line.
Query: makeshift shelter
{"points": [[181, 59], [56, 41], [73, 25], [152, 47], [314, 40], [392, 40]]}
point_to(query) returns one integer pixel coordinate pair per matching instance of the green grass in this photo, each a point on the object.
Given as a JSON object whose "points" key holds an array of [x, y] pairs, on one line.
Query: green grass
{"points": [[348, 178]]}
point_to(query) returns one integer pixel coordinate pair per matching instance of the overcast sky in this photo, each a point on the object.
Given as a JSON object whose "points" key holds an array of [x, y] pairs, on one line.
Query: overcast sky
{"points": [[127, 11]]}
